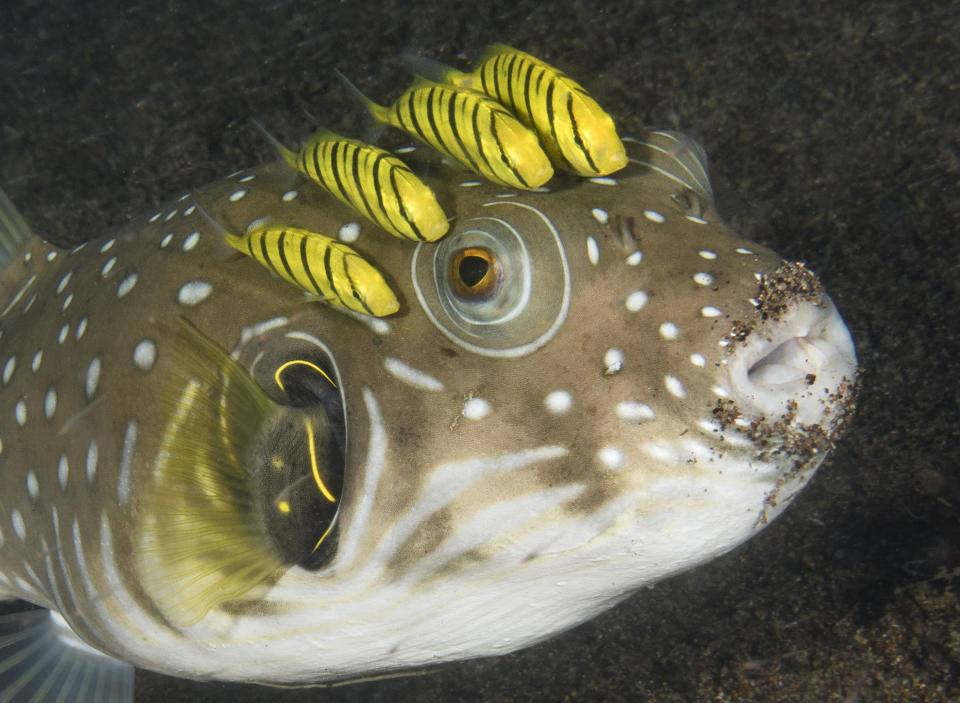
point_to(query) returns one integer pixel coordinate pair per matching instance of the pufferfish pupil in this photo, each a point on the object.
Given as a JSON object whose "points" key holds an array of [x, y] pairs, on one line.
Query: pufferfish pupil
{"points": [[475, 273], [298, 468]]}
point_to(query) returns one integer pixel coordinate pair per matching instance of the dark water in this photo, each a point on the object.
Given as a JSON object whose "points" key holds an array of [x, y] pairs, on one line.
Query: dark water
{"points": [[834, 138]]}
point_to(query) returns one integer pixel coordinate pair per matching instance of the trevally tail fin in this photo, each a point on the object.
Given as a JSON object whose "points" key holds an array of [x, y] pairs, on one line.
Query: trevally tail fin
{"points": [[13, 231], [42, 660]]}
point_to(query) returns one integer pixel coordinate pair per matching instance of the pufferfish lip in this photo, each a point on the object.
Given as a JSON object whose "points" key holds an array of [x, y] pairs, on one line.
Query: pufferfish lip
{"points": [[797, 364]]}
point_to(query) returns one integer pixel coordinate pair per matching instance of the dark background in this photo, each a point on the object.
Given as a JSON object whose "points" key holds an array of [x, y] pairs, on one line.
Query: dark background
{"points": [[833, 129]]}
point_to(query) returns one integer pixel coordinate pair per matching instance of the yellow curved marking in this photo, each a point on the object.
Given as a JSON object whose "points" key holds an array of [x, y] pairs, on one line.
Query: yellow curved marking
{"points": [[283, 506], [283, 366], [320, 541], [313, 464]]}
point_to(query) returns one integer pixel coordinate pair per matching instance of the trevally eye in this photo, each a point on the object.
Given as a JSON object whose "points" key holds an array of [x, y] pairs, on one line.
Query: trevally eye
{"points": [[499, 285]]}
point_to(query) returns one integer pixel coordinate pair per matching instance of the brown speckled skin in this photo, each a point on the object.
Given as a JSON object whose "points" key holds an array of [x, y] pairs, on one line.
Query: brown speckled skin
{"points": [[832, 125]]}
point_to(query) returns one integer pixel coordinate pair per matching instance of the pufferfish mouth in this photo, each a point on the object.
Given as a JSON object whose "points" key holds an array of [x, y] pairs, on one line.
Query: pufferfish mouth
{"points": [[800, 361]]}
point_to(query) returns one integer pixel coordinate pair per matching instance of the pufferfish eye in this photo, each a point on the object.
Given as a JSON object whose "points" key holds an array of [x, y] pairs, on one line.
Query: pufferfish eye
{"points": [[475, 273], [479, 286]]}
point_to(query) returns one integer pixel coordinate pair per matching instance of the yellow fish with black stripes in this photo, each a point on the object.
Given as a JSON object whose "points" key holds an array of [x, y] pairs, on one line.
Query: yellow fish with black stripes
{"points": [[576, 132], [204, 472], [374, 182], [318, 264], [479, 133]]}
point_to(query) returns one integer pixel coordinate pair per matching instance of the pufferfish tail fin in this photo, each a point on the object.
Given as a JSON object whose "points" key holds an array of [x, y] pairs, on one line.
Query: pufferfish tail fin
{"points": [[14, 231], [241, 486], [41, 660]]}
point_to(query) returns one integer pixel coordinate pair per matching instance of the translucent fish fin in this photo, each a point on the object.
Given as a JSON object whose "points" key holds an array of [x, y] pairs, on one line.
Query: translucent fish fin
{"points": [[200, 539], [14, 232], [675, 155], [43, 661], [288, 156], [437, 71], [378, 113]]}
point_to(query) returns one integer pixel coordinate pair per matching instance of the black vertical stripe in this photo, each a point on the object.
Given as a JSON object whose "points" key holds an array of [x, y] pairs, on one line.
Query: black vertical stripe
{"points": [[526, 92], [265, 251], [355, 173], [401, 206], [551, 117], [329, 272], [283, 254], [496, 77], [432, 108], [353, 288], [511, 101], [378, 188], [475, 121], [334, 165], [503, 154], [578, 140], [412, 108], [455, 128], [318, 171], [306, 266]]}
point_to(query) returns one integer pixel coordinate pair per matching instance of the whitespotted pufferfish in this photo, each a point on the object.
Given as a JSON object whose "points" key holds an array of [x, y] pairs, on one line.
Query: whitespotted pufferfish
{"points": [[206, 472]]}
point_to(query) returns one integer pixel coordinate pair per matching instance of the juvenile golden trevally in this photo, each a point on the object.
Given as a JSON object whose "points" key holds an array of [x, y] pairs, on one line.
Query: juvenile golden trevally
{"points": [[576, 132], [208, 474]]}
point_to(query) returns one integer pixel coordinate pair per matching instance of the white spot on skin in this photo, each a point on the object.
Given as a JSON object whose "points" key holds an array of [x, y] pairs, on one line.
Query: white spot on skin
{"points": [[154, 217], [64, 331], [237, 195], [661, 453], [108, 245], [126, 462], [36, 361], [654, 216], [600, 215], [51, 255], [707, 254], [411, 376], [637, 300], [668, 330], [703, 279], [26, 308], [193, 293], [476, 409], [66, 302], [710, 311], [698, 220], [593, 251], [50, 403], [8, 369], [635, 258], [63, 471], [288, 196], [170, 215], [603, 181], [93, 377], [720, 391], [191, 241], [145, 355], [190, 210], [709, 426], [471, 184], [675, 387], [611, 457], [632, 411], [698, 360], [33, 486], [93, 452], [248, 178], [741, 250], [20, 412], [126, 285], [166, 240], [349, 232], [19, 527], [558, 402], [108, 267], [404, 149], [81, 327], [612, 361], [63, 282]]}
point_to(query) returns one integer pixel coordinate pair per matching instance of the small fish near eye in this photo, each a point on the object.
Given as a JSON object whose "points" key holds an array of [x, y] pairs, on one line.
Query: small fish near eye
{"points": [[475, 273]]}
